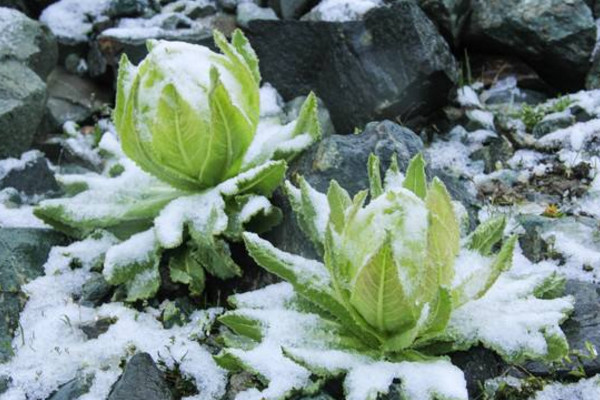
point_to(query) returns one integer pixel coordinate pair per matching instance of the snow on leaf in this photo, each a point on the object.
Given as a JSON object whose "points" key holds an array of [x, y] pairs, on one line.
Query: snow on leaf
{"points": [[513, 322]]}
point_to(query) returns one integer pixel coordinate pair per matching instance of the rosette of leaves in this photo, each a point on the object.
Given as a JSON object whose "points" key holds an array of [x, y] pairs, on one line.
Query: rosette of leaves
{"points": [[194, 168], [397, 290]]}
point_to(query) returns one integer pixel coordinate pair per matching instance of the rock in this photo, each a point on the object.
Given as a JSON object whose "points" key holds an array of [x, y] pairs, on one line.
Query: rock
{"points": [[127, 8], [343, 158], [556, 37], [292, 9], [23, 252], [393, 64], [534, 247], [22, 99], [193, 10], [448, 15], [73, 389], [30, 175], [583, 326], [553, 122], [141, 380], [72, 98], [247, 12], [32, 8], [478, 364], [95, 291], [27, 41], [96, 328]]}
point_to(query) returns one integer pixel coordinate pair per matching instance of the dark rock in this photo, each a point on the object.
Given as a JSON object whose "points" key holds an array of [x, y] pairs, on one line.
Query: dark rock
{"points": [[393, 64], [553, 122], [4, 382], [343, 158], [32, 8], [73, 389], [97, 328], [72, 98], [27, 41], [141, 380], [127, 8], [556, 37], [22, 99], [583, 327], [448, 15], [292, 9], [23, 252], [34, 178], [534, 247], [95, 291], [478, 364]]}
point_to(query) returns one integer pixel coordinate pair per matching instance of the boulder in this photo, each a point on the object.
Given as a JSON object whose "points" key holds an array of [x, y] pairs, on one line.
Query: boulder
{"points": [[22, 100], [449, 16], [393, 64], [292, 9], [23, 252], [141, 380], [556, 37], [28, 41]]}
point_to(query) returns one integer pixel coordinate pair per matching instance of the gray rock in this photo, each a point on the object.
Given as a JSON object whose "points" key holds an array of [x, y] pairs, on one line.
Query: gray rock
{"points": [[95, 291], [393, 64], [247, 12], [449, 16], [127, 8], [34, 178], [343, 158], [23, 252], [556, 37], [141, 380], [27, 41], [73, 389], [292, 9], [582, 327], [72, 98], [534, 247], [553, 122], [95, 329], [22, 99]]}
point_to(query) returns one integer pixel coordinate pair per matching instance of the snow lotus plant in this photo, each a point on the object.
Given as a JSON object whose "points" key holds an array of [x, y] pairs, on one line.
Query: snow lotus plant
{"points": [[195, 165], [398, 289]]}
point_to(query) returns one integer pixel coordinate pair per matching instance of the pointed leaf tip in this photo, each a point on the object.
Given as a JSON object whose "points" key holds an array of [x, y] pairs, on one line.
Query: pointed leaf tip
{"points": [[416, 180]]}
